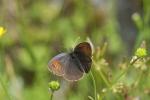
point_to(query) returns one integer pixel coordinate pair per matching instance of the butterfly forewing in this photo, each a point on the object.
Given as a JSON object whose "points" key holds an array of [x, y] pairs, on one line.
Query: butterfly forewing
{"points": [[83, 52], [85, 62], [84, 48]]}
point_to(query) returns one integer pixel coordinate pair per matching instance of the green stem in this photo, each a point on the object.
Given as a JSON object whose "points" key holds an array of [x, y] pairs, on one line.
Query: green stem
{"points": [[103, 76], [51, 95], [3, 86], [105, 79], [94, 84]]}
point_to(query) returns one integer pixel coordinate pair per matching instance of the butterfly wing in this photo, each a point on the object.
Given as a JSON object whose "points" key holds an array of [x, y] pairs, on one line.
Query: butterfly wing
{"points": [[84, 48], [83, 52], [72, 72], [72, 67], [58, 63]]}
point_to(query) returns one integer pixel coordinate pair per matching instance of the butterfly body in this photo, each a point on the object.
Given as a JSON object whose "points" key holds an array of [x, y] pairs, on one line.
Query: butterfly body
{"points": [[72, 66]]}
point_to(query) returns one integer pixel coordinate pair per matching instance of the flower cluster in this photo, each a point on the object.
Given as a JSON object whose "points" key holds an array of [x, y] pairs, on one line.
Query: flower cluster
{"points": [[141, 64], [120, 88]]}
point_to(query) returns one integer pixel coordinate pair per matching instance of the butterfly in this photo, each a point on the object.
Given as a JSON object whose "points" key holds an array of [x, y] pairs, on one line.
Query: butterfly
{"points": [[72, 66]]}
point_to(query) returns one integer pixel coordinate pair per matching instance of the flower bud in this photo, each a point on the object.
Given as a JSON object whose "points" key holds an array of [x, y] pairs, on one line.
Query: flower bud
{"points": [[54, 85], [141, 52]]}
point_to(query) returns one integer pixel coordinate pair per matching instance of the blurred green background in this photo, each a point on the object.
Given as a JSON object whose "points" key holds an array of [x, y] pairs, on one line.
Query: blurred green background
{"points": [[37, 30]]}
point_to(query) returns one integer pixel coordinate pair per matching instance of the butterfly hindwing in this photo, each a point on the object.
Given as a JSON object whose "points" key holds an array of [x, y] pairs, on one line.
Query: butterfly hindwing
{"points": [[72, 71], [57, 64]]}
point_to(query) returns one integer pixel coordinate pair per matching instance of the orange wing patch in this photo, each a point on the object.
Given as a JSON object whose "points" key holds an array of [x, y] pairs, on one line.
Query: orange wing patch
{"points": [[57, 67]]}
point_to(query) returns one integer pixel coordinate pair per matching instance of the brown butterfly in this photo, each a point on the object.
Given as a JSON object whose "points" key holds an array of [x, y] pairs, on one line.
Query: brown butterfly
{"points": [[72, 66]]}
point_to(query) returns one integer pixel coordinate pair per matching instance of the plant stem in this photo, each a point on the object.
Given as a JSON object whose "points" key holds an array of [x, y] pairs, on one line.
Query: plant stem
{"points": [[94, 84], [103, 76], [51, 95], [3, 86], [109, 85]]}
